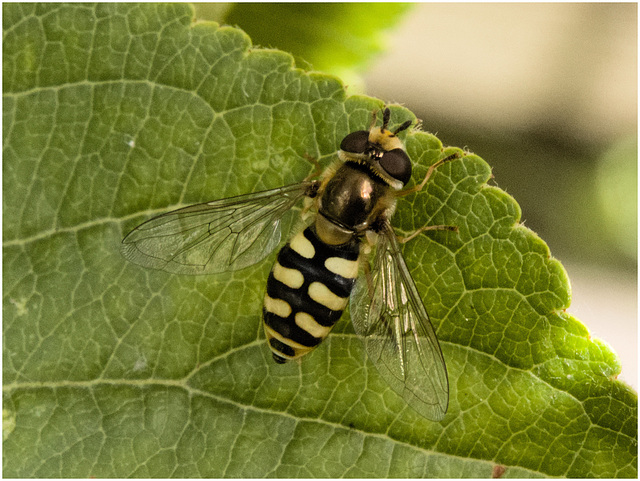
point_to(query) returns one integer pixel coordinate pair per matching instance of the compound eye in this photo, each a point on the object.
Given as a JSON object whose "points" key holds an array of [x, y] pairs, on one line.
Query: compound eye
{"points": [[355, 142], [397, 164]]}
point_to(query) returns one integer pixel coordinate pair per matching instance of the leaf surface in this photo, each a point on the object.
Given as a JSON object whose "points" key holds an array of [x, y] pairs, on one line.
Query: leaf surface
{"points": [[114, 113]]}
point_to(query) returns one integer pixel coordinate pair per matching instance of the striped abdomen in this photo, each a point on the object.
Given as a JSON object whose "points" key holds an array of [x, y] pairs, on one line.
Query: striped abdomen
{"points": [[307, 290]]}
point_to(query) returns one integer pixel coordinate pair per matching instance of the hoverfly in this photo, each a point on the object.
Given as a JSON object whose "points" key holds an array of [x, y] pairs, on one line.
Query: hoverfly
{"points": [[323, 266]]}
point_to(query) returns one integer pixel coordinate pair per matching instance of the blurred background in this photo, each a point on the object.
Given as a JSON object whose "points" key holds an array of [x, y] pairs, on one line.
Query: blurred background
{"points": [[546, 93]]}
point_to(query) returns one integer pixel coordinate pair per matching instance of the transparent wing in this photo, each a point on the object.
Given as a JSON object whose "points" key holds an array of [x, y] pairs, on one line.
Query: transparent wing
{"points": [[389, 316], [218, 236]]}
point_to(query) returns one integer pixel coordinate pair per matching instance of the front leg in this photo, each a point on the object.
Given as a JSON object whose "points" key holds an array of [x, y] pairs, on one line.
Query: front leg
{"points": [[419, 187]]}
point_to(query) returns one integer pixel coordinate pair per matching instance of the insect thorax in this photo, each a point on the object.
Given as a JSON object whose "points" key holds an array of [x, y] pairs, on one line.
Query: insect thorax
{"points": [[351, 201]]}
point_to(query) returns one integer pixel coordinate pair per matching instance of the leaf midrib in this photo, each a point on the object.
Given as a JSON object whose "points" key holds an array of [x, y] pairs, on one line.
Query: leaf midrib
{"points": [[296, 418], [183, 382]]}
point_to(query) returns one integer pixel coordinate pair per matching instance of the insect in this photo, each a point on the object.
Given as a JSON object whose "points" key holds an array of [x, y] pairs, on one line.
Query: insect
{"points": [[325, 265]]}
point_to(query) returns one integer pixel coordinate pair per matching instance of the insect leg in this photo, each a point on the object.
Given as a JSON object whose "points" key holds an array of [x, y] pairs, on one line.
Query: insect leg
{"points": [[365, 254], [417, 188], [374, 117], [403, 240], [317, 165], [311, 199]]}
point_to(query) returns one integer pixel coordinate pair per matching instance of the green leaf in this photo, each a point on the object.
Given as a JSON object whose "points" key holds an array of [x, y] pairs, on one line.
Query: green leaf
{"points": [[116, 112]]}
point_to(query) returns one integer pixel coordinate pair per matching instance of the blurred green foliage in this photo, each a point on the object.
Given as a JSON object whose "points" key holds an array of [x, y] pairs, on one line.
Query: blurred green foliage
{"points": [[334, 38], [617, 189]]}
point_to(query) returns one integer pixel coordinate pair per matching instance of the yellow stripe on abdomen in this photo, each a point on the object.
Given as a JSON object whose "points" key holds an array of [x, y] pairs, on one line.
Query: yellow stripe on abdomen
{"points": [[292, 278], [342, 267], [302, 246], [299, 349], [308, 323], [322, 295], [277, 306]]}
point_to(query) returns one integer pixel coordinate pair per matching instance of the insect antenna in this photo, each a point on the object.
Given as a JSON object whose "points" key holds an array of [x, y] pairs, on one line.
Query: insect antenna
{"points": [[404, 126], [386, 115]]}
